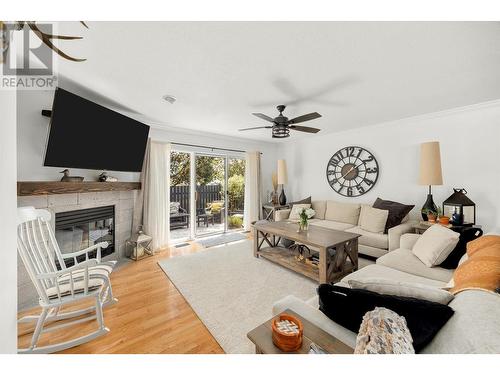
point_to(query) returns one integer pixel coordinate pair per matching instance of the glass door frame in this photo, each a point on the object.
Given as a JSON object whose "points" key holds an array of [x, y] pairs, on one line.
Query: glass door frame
{"points": [[192, 191]]}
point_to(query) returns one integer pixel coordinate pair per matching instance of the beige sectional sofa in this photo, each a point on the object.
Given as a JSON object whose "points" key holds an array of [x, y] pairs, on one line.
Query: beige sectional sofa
{"points": [[473, 328], [346, 217]]}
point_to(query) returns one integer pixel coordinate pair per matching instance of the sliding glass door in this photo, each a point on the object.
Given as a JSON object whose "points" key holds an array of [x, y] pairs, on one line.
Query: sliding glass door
{"points": [[207, 193], [210, 197]]}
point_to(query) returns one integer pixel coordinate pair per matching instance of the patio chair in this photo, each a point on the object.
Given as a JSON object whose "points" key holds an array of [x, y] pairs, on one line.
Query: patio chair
{"points": [[58, 285], [179, 219]]}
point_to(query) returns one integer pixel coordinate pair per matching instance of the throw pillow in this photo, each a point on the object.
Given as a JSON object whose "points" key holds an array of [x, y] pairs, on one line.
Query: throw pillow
{"points": [[342, 212], [383, 331], [347, 307], [403, 289], [302, 201], [466, 235], [373, 219], [481, 270], [397, 212], [296, 210], [435, 244], [174, 208]]}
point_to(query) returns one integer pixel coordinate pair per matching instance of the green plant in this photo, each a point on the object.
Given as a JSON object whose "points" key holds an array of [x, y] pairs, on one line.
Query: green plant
{"points": [[236, 192], [428, 211], [235, 222]]}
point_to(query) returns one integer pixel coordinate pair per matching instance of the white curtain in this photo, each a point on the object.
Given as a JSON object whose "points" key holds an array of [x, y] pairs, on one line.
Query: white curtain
{"points": [[157, 195], [252, 189]]}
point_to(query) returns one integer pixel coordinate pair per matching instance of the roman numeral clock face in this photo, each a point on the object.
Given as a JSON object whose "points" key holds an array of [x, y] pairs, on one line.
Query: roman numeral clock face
{"points": [[352, 171]]}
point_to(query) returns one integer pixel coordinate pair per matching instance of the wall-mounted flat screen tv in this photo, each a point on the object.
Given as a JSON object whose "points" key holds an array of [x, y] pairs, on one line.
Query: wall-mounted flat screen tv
{"points": [[86, 135]]}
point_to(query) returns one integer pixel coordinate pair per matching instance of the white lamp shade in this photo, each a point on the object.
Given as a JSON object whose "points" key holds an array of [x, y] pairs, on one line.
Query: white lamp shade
{"points": [[282, 173], [430, 164]]}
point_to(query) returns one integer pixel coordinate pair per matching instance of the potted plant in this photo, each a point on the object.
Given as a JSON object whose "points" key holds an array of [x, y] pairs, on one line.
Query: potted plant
{"points": [[431, 215], [305, 215]]}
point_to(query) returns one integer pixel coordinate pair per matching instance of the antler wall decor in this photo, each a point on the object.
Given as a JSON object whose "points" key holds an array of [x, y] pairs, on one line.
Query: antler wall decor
{"points": [[44, 37]]}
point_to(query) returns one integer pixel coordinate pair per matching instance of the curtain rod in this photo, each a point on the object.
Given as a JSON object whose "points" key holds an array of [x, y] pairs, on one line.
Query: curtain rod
{"points": [[211, 148]]}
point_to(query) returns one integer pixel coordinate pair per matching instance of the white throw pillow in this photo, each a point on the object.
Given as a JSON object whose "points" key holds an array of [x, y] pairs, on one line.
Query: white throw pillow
{"points": [[296, 210], [373, 219], [403, 289], [435, 244]]}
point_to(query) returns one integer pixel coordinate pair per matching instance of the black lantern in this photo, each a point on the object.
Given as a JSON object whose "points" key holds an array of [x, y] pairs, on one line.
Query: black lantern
{"points": [[460, 209]]}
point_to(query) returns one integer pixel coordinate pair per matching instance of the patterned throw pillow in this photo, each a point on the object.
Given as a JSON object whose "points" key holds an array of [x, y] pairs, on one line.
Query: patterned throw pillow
{"points": [[383, 332], [174, 208]]}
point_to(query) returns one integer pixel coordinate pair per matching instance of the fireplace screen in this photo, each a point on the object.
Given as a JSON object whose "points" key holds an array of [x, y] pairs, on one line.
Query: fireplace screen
{"points": [[77, 230]]}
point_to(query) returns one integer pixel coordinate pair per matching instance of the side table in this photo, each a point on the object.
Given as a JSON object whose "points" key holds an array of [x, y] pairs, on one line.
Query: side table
{"points": [[269, 209], [262, 337]]}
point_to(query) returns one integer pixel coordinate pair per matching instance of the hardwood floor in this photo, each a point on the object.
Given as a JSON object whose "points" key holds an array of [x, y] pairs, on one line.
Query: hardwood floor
{"points": [[150, 317]]}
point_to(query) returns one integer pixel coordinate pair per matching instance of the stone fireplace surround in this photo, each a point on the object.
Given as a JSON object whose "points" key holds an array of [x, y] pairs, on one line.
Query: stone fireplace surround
{"points": [[124, 206]]}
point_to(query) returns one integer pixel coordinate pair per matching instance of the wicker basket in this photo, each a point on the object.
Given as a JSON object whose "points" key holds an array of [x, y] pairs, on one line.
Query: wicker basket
{"points": [[287, 341]]}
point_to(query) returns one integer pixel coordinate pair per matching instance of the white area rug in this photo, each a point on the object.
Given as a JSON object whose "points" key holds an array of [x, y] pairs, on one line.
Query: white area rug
{"points": [[232, 291]]}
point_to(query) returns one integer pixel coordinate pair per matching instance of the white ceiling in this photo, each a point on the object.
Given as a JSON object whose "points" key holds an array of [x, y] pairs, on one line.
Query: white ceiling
{"points": [[353, 73]]}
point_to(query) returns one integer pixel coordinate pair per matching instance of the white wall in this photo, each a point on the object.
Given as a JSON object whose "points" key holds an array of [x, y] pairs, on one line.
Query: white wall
{"points": [[470, 153], [8, 272]]}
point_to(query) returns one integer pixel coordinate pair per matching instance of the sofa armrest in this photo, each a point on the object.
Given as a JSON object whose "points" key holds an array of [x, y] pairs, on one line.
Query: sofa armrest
{"points": [[408, 240], [396, 232], [282, 215]]}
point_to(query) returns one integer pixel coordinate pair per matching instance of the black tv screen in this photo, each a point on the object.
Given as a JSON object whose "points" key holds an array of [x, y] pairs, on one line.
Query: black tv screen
{"points": [[86, 135]]}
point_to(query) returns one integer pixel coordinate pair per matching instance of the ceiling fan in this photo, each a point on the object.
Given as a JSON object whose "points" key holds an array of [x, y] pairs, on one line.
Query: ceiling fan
{"points": [[282, 125]]}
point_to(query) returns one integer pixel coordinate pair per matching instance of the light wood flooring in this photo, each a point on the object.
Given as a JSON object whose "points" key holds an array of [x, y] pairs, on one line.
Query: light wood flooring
{"points": [[150, 317]]}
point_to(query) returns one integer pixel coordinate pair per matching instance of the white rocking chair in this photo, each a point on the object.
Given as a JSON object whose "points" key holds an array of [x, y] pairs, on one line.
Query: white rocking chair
{"points": [[58, 285]]}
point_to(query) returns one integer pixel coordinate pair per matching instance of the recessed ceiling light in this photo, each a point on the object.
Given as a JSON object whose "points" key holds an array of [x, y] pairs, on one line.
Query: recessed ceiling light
{"points": [[169, 98]]}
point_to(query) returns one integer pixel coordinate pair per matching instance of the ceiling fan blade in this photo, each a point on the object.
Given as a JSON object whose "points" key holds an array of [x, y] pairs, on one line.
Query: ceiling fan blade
{"points": [[257, 127], [263, 117], [308, 117], [306, 129]]}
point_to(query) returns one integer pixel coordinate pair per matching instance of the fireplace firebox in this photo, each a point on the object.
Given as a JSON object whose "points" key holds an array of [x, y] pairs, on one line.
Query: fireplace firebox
{"points": [[79, 229]]}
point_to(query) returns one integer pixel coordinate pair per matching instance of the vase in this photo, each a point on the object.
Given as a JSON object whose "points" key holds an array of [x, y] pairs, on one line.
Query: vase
{"points": [[303, 225]]}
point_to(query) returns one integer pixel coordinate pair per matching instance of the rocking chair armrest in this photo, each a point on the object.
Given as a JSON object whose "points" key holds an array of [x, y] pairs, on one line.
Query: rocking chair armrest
{"points": [[65, 271], [97, 246]]}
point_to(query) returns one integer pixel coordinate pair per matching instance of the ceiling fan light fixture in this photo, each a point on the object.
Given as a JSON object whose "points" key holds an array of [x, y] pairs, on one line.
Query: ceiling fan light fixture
{"points": [[281, 132]]}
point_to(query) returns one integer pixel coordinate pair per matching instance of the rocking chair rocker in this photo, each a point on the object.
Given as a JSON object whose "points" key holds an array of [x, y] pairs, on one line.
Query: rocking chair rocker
{"points": [[58, 285]]}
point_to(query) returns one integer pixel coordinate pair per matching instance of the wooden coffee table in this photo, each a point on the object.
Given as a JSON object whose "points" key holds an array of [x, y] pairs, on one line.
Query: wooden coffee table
{"points": [[338, 251], [263, 340]]}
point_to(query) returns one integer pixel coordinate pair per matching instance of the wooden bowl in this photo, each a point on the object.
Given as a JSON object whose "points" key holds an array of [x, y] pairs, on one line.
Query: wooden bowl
{"points": [[287, 341]]}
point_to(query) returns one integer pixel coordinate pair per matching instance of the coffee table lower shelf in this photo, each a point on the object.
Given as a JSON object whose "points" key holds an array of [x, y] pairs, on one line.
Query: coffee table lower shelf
{"points": [[284, 257]]}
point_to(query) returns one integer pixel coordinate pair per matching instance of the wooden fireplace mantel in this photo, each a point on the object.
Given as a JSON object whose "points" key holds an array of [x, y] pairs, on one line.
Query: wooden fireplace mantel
{"points": [[58, 187]]}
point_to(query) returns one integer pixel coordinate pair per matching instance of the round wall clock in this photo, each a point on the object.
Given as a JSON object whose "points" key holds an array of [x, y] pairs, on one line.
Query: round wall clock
{"points": [[352, 171]]}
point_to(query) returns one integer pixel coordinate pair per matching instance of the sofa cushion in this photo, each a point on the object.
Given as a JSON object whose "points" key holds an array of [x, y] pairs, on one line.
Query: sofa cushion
{"points": [[330, 224], [435, 244], [404, 260], [347, 307], [402, 289], [381, 271], [296, 210], [473, 328], [373, 219], [320, 208], [397, 211], [343, 212], [379, 240]]}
